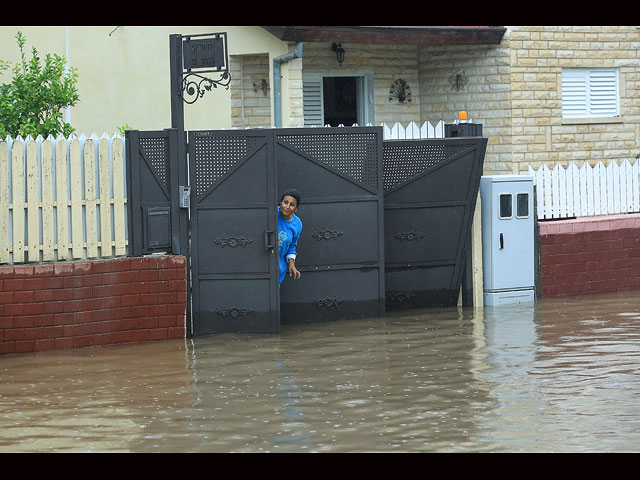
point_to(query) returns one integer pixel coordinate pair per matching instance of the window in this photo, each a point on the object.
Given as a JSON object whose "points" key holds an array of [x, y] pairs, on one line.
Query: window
{"points": [[590, 93], [337, 99]]}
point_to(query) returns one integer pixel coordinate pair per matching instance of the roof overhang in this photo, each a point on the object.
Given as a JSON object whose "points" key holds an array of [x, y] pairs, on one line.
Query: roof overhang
{"points": [[425, 35]]}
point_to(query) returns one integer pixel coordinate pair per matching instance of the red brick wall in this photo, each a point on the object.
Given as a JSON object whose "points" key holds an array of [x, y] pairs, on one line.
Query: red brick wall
{"points": [[590, 255], [87, 303]]}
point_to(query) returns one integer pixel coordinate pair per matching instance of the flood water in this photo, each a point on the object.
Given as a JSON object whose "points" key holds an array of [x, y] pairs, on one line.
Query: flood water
{"points": [[560, 376]]}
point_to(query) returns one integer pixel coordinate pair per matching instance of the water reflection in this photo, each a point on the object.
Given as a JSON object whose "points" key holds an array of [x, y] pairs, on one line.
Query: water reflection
{"points": [[560, 376]]}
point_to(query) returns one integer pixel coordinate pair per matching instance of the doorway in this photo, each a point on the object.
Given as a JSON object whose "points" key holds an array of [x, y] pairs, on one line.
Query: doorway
{"points": [[333, 100], [340, 101]]}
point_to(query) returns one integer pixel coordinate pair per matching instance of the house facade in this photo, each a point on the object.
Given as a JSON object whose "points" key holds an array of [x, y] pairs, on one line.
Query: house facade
{"points": [[543, 94]]}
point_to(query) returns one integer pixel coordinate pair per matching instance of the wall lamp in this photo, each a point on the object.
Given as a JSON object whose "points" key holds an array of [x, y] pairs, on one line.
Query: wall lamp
{"points": [[337, 47]]}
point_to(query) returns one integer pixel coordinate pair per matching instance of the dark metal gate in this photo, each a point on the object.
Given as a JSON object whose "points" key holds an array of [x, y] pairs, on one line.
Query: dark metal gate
{"points": [[233, 218], [340, 251], [155, 222], [431, 187], [385, 224]]}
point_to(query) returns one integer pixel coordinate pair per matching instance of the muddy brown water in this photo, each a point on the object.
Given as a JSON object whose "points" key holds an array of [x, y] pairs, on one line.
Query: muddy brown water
{"points": [[562, 375]]}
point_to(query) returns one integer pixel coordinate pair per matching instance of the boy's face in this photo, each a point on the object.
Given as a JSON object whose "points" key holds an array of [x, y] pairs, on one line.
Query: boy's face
{"points": [[288, 206]]}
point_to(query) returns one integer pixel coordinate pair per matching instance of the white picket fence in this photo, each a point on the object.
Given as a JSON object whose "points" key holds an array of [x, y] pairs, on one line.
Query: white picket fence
{"points": [[65, 198], [413, 131], [62, 199], [587, 191]]}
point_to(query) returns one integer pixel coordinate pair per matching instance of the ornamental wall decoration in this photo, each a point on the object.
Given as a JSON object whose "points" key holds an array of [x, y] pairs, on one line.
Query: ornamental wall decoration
{"points": [[401, 91]]}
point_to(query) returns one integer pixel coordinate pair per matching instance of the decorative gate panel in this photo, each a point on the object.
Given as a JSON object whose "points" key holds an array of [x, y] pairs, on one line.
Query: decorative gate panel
{"points": [[431, 187], [340, 252], [155, 221], [234, 258]]}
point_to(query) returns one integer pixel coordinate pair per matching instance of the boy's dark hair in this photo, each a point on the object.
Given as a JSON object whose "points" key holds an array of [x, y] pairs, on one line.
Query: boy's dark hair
{"points": [[292, 192]]}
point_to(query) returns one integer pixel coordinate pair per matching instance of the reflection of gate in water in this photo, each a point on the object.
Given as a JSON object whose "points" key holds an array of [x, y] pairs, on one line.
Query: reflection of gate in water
{"points": [[368, 207], [430, 189]]}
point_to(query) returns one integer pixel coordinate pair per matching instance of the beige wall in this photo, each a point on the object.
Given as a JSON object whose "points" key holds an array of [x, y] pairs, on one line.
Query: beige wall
{"points": [[386, 62], [513, 89], [124, 72], [486, 95], [538, 55]]}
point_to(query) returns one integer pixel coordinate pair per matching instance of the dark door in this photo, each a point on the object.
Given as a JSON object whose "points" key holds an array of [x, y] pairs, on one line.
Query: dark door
{"points": [[431, 187], [234, 258], [156, 223], [340, 252]]}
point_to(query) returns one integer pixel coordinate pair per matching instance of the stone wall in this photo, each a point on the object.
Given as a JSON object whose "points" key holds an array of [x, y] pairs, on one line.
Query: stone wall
{"points": [[387, 63], [483, 91], [540, 134], [250, 91]]}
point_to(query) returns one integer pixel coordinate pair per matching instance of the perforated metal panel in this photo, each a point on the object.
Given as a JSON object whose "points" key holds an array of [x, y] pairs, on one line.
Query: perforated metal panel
{"points": [[431, 188], [403, 161], [155, 151], [215, 154], [351, 151]]}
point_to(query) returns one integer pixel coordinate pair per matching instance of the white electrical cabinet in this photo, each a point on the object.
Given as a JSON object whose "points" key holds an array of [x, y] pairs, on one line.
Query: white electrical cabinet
{"points": [[507, 239]]}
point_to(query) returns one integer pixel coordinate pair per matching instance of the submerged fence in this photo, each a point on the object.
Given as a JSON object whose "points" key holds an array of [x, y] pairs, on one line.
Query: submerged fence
{"points": [[587, 191], [62, 199]]}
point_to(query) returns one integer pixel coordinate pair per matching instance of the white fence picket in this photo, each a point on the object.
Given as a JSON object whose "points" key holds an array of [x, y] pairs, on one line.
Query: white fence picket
{"points": [[69, 195], [412, 131], [586, 191], [62, 198]]}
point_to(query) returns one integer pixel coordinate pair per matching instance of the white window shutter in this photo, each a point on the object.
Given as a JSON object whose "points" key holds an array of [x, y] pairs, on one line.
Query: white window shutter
{"points": [[574, 93], [603, 90], [590, 92], [312, 106]]}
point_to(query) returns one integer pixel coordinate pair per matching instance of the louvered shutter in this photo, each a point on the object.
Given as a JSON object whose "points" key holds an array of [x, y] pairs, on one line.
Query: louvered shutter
{"points": [[312, 100], [590, 93], [603, 92]]}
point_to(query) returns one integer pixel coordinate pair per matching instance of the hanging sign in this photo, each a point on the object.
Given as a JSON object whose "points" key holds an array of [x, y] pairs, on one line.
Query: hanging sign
{"points": [[208, 53]]}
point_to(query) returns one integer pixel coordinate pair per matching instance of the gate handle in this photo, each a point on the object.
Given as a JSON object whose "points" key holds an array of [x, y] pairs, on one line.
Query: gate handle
{"points": [[501, 242], [267, 244]]}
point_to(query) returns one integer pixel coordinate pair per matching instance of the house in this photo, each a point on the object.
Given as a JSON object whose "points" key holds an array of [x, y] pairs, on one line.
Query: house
{"points": [[544, 94]]}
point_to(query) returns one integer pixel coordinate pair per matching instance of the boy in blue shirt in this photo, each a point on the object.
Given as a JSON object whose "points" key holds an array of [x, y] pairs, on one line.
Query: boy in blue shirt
{"points": [[289, 229]]}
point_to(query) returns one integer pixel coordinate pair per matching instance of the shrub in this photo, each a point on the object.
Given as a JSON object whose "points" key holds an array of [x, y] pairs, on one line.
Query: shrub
{"points": [[33, 103]]}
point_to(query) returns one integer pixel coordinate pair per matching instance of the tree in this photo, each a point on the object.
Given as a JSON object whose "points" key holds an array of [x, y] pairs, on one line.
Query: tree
{"points": [[33, 103]]}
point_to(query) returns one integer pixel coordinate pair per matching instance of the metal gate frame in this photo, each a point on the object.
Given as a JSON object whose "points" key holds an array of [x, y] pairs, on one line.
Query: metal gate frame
{"points": [[156, 223], [427, 251], [159, 222], [340, 253], [234, 266]]}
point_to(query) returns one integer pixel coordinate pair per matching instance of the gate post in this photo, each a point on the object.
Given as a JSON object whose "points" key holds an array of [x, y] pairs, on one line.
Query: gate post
{"points": [[179, 153]]}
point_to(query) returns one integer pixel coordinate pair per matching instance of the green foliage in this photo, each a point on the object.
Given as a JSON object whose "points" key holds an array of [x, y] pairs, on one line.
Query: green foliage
{"points": [[124, 128], [33, 103]]}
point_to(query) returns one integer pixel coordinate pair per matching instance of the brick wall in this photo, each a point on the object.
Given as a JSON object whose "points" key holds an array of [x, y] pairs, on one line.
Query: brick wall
{"points": [[89, 303], [590, 255]]}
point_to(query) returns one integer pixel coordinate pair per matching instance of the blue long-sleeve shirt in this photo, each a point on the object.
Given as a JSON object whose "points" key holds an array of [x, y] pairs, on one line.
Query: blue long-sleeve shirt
{"points": [[288, 234]]}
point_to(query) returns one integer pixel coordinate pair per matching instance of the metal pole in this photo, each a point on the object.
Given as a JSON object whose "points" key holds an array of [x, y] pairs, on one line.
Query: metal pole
{"points": [[177, 123]]}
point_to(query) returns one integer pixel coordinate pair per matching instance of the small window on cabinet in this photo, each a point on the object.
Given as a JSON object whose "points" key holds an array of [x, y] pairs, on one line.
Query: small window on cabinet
{"points": [[522, 205], [506, 209]]}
